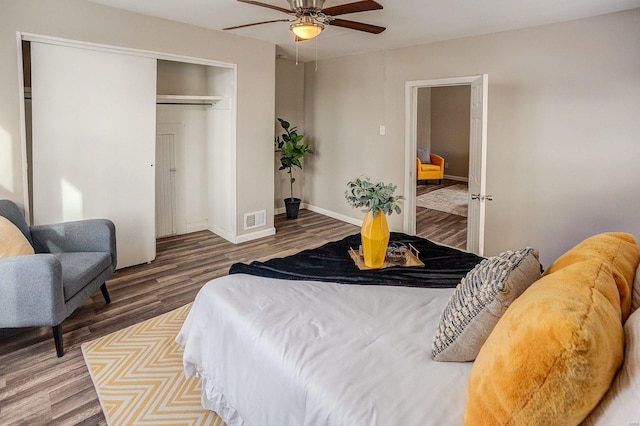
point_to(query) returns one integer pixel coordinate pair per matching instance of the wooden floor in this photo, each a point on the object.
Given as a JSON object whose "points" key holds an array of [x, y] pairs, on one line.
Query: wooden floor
{"points": [[37, 388], [445, 228]]}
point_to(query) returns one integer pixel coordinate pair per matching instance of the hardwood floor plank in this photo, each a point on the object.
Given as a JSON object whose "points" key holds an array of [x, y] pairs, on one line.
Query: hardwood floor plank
{"points": [[441, 227]]}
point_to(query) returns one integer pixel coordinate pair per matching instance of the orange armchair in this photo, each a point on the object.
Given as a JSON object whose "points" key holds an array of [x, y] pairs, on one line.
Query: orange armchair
{"points": [[435, 170]]}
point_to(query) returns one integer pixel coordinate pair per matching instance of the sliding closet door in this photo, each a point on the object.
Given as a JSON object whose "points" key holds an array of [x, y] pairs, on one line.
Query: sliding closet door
{"points": [[94, 142]]}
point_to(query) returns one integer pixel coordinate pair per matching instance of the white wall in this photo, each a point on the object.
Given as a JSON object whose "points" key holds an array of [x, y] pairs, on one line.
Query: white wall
{"points": [[84, 21], [190, 121], [191, 163], [201, 170], [563, 127]]}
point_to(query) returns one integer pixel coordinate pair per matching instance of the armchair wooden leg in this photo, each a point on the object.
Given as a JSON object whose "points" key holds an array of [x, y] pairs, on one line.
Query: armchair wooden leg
{"points": [[57, 338], [105, 293]]}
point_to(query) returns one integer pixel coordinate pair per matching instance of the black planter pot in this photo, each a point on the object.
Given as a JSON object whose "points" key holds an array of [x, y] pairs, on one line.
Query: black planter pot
{"points": [[293, 206]]}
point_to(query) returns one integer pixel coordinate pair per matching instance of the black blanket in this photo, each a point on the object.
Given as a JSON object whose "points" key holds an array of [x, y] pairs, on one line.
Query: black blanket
{"points": [[444, 266]]}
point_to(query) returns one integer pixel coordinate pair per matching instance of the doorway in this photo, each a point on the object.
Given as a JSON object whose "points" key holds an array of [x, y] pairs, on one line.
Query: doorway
{"points": [[477, 154], [441, 212], [443, 132]]}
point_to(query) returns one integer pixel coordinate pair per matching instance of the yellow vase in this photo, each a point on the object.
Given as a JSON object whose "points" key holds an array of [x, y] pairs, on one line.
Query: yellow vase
{"points": [[375, 239]]}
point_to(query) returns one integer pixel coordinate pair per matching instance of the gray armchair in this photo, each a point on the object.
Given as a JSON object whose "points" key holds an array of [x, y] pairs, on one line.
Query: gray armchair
{"points": [[71, 261]]}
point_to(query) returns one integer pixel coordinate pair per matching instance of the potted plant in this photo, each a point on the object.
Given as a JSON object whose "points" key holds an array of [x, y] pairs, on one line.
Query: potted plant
{"points": [[292, 150], [377, 201]]}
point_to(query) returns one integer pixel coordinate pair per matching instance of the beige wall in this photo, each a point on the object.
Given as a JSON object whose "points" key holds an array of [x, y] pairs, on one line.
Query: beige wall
{"points": [[450, 122], [290, 107], [423, 122], [563, 115], [563, 127], [88, 22], [346, 102]]}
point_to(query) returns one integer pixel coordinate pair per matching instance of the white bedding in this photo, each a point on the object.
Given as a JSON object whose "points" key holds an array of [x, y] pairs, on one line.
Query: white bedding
{"points": [[275, 352]]}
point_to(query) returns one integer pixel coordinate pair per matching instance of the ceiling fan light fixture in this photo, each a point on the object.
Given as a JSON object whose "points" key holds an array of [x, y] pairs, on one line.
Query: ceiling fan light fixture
{"points": [[306, 4], [306, 29]]}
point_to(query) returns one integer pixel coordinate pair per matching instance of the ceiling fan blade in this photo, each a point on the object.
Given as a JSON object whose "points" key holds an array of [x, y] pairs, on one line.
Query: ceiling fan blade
{"points": [[255, 23], [368, 28], [358, 6], [269, 6]]}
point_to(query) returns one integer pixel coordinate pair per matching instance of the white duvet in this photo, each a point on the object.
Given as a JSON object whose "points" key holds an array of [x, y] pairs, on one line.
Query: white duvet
{"points": [[276, 352]]}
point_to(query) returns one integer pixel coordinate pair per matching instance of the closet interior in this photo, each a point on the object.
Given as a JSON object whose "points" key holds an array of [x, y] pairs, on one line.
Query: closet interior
{"points": [[146, 141]]}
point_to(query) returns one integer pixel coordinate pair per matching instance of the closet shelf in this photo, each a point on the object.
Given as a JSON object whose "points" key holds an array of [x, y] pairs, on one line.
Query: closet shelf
{"points": [[187, 100]]}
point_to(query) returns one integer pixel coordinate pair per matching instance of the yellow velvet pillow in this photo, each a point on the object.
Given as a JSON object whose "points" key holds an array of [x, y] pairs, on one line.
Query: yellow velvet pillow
{"points": [[12, 240], [619, 250], [553, 354]]}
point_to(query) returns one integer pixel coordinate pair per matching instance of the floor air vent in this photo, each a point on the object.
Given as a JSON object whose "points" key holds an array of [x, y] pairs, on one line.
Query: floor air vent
{"points": [[255, 219]]}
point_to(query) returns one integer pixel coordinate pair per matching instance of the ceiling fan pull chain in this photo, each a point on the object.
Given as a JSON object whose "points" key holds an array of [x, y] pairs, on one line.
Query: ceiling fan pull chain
{"points": [[316, 54]]}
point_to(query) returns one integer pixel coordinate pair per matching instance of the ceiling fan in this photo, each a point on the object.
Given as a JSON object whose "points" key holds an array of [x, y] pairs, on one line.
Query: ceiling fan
{"points": [[308, 18]]}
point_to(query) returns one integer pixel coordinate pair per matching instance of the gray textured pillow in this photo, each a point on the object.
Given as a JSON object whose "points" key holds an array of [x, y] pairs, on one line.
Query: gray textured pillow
{"points": [[424, 156], [479, 301]]}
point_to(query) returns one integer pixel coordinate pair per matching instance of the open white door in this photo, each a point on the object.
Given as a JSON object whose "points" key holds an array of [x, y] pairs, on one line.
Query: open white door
{"points": [[94, 142], [477, 163], [477, 154]]}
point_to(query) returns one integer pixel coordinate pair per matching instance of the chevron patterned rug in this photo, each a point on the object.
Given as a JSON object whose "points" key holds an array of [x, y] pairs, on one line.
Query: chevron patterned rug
{"points": [[138, 375]]}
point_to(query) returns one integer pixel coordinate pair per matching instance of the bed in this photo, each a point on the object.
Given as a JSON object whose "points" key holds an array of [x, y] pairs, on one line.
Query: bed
{"points": [[296, 351], [318, 341], [319, 353]]}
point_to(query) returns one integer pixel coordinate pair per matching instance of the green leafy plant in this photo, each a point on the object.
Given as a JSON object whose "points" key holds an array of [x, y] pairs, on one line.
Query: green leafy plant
{"points": [[291, 149], [373, 197]]}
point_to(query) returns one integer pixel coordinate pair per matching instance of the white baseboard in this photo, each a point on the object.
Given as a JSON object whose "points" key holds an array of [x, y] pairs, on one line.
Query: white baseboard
{"points": [[222, 233], [255, 235], [334, 215], [325, 212], [458, 178], [197, 226], [242, 238]]}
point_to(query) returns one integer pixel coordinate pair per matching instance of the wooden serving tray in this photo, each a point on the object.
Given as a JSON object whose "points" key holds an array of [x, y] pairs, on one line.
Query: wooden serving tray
{"points": [[412, 259]]}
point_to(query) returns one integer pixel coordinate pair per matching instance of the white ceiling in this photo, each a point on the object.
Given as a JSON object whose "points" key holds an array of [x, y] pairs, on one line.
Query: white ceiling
{"points": [[408, 22]]}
